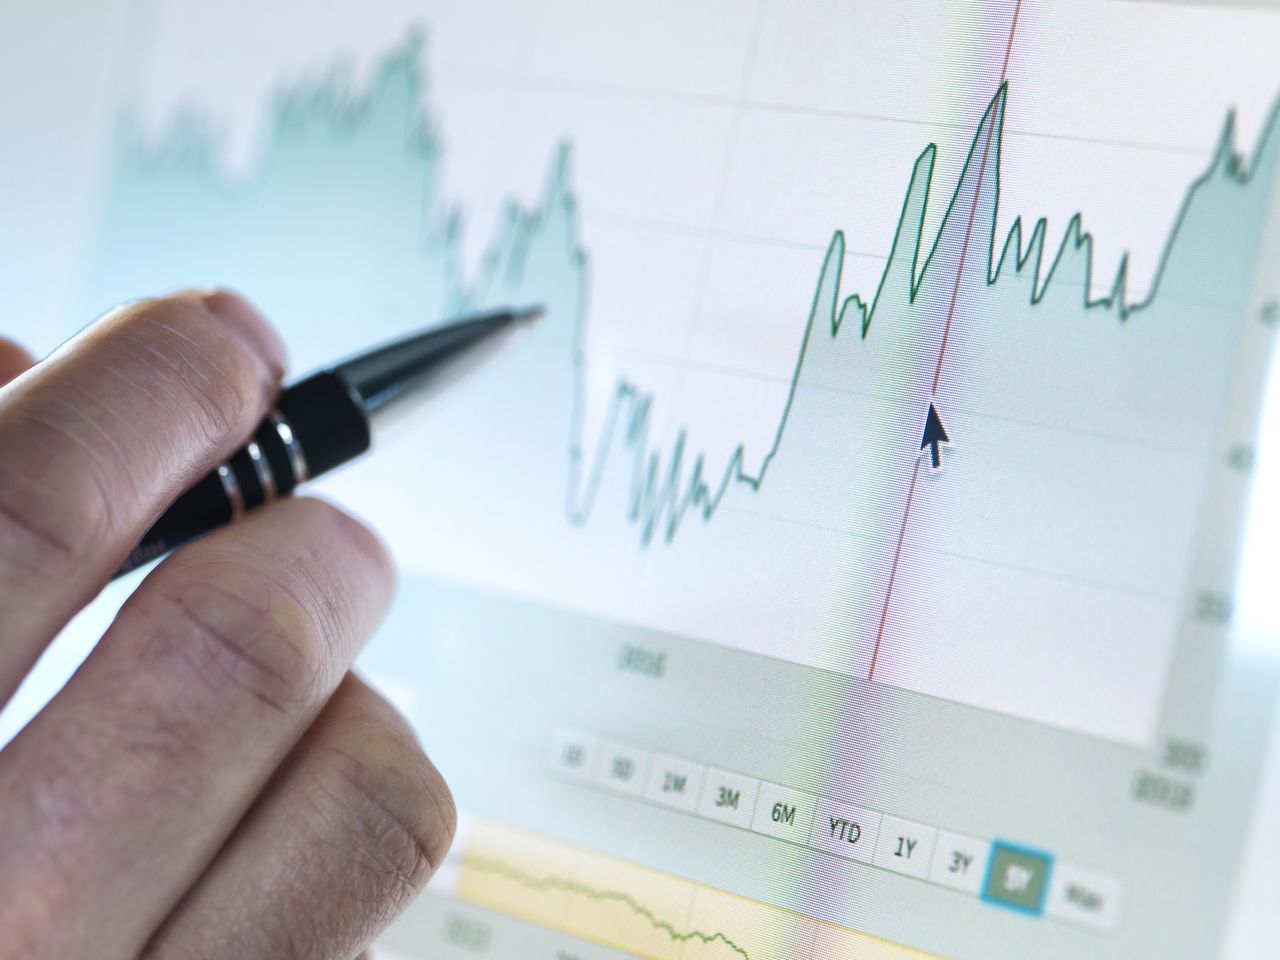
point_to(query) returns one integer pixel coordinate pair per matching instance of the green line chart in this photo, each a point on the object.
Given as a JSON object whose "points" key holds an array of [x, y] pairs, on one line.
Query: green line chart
{"points": [[1080, 430], [668, 485], [543, 884], [599, 899]]}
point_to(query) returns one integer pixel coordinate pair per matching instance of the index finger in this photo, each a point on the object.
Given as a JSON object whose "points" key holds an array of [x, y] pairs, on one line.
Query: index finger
{"points": [[98, 439], [13, 360]]}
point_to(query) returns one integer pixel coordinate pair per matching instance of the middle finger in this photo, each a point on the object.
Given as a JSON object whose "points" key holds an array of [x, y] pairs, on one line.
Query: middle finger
{"points": [[118, 795]]}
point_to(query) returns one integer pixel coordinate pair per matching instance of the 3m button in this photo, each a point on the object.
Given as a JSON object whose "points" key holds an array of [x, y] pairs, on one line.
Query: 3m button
{"points": [[1079, 896], [728, 797]]}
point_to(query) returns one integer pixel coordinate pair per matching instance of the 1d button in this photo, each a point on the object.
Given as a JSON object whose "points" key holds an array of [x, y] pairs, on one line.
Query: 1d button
{"points": [[572, 754]]}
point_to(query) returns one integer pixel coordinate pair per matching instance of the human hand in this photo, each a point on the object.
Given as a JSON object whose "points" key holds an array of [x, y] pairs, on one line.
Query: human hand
{"points": [[213, 781]]}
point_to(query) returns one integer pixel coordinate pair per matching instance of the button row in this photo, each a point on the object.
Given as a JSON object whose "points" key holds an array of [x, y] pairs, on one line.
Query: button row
{"points": [[1000, 873]]}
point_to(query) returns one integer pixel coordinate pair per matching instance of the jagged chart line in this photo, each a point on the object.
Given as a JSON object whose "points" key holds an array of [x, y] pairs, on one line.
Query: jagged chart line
{"points": [[545, 884], [973, 212], [551, 473], [651, 503], [667, 484]]}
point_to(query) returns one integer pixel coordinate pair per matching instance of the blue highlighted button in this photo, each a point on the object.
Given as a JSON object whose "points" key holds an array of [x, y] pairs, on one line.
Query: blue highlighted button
{"points": [[1017, 878]]}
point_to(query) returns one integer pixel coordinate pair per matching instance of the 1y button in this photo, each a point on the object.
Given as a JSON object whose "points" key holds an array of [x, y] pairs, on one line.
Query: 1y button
{"points": [[905, 847]]}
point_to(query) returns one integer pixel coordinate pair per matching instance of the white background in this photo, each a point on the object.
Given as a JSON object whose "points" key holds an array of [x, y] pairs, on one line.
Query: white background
{"points": [[1181, 67]]}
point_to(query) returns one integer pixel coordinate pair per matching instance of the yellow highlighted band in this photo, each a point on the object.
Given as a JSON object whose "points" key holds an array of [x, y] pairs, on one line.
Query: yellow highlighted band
{"points": [[641, 911]]}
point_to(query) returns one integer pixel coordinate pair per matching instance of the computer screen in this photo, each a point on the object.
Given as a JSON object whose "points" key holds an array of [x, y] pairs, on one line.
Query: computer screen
{"points": [[871, 551]]}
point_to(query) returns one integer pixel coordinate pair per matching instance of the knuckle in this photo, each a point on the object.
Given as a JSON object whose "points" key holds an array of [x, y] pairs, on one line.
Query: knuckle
{"points": [[51, 517], [356, 538], [83, 462], [177, 346], [240, 629], [30, 921], [398, 821], [62, 490]]}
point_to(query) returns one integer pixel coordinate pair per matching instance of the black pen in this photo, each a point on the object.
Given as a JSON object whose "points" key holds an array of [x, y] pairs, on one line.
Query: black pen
{"points": [[323, 422]]}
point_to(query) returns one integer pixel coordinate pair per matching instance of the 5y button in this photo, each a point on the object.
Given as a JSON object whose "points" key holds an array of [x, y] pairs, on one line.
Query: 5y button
{"points": [[1017, 878]]}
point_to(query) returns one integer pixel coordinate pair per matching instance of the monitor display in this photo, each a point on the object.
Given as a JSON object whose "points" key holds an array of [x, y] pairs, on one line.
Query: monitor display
{"points": [[870, 552]]}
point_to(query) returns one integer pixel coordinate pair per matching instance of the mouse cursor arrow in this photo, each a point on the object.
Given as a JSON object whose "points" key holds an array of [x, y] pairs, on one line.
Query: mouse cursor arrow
{"points": [[934, 434]]}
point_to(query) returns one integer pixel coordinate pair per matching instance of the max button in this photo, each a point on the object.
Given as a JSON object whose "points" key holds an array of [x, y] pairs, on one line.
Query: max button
{"points": [[1080, 896]]}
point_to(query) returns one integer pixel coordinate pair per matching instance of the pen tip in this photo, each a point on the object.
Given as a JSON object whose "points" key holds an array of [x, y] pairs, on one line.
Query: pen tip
{"points": [[529, 314]]}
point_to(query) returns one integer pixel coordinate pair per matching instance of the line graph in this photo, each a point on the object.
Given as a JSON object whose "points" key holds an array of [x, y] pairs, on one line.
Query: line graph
{"points": [[350, 186], [545, 884], [617, 904], [660, 509]]}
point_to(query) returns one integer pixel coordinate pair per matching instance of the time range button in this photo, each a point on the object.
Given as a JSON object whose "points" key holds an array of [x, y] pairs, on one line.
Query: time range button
{"points": [[622, 767], [573, 754], [674, 782], [784, 813], [1081, 896], [728, 797], [960, 862], [845, 830]]}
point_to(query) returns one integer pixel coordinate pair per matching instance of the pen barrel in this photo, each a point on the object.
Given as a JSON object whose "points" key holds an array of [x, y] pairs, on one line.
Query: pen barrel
{"points": [[317, 425], [328, 420]]}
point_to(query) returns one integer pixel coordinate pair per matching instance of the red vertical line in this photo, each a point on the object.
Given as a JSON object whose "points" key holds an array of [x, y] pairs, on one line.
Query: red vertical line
{"points": [[942, 350], [893, 570]]}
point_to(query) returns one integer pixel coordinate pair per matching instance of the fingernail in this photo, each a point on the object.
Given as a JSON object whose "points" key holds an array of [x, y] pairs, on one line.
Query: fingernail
{"points": [[242, 317]]}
